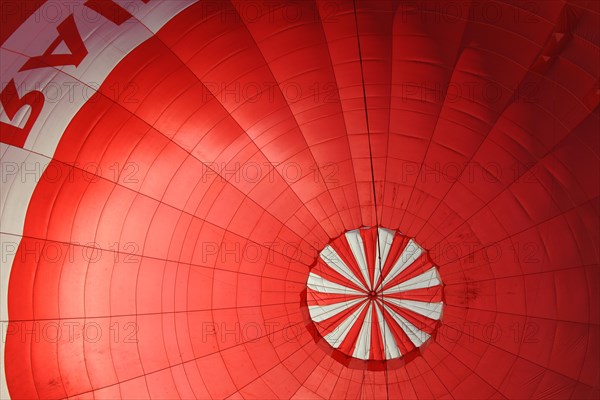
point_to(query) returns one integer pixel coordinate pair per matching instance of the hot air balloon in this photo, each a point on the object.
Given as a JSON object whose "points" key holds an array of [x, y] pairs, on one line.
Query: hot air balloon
{"points": [[321, 199]]}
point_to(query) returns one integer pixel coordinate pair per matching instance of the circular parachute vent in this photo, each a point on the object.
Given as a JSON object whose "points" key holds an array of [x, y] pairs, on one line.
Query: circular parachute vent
{"points": [[373, 294], [311, 199]]}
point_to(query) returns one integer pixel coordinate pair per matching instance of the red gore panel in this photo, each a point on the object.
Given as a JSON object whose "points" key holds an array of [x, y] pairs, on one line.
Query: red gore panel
{"points": [[313, 199]]}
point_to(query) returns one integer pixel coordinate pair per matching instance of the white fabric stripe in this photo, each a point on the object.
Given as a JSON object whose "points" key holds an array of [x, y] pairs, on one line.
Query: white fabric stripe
{"points": [[427, 279], [389, 343], [358, 250], [411, 252], [322, 285], [337, 336], [332, 259], [385, 238], [363, 344], [8, 244], [321, 313], [417, 336], [429, 310]]}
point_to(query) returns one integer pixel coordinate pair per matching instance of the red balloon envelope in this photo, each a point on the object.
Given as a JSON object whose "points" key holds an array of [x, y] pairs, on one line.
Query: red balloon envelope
{"points": [[309, 199]]}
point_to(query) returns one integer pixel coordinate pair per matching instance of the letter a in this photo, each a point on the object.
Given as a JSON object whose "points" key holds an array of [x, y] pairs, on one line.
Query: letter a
{"points": [[67, 32]]}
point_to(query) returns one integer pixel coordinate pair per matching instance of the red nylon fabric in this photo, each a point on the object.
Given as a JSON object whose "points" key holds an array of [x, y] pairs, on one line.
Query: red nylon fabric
{"points": [[177, 265]]}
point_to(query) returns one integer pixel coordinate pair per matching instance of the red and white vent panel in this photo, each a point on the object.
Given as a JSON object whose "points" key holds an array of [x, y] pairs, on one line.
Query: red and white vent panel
{"points": [[373, 294]]}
